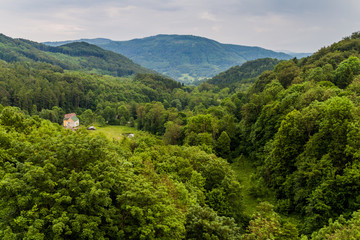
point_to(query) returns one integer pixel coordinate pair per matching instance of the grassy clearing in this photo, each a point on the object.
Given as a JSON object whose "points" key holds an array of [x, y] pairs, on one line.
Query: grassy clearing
{"points": [[115, 132], [244, 169], [186, 78]]}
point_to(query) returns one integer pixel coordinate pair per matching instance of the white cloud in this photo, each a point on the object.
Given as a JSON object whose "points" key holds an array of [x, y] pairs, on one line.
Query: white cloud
{"points": [[116, 11], [216, 28], [208, 16]]}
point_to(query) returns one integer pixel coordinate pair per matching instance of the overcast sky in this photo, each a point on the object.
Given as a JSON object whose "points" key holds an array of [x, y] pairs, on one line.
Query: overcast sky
{"points": [[295, 25]]}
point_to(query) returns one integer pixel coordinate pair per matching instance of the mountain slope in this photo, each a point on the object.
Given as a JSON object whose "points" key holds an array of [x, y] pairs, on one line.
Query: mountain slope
{"points": [[301, 125], [298, 55], [244, 74], [73, 56], [183, 57]]}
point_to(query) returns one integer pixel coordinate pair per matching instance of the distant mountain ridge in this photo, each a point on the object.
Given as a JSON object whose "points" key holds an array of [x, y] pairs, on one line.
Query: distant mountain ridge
{"points": [[245, 74], [298, 55], [183, 57], [73, 56]]}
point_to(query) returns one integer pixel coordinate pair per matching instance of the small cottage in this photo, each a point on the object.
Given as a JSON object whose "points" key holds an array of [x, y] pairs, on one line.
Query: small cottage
{"points": [[71, 121]]}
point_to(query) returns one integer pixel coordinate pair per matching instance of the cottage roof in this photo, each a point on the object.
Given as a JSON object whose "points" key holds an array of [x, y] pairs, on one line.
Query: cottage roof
{"points": [[69, 115], [74, 118]]}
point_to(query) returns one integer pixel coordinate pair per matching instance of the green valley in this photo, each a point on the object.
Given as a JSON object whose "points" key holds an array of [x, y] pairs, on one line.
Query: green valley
{"points": [[265, 150], [180, 55], [73, 56], [246, 74]]}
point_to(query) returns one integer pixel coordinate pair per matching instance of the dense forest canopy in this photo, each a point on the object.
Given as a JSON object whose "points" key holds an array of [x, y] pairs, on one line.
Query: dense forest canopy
{"points": [[246, 74], [57, 184], [297, 125], [75, 56]]}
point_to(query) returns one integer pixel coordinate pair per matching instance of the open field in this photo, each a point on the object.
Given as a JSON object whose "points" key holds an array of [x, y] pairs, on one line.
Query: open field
{"points": [[115, 132], [244, 169]]}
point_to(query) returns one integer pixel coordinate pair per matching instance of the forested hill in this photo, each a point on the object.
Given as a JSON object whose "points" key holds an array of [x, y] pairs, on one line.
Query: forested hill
{"points": [[301, 126], [74, 56], [183, 57], [245, 74]]}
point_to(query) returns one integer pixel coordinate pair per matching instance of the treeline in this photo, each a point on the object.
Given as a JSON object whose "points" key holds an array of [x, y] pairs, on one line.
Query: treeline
{"points": [[78, 56], [300, 126], [40, 88], [245, 74], [37, 86], [150, 102]]}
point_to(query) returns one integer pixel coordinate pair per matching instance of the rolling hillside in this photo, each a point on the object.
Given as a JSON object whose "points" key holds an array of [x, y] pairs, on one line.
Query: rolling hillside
{"points": [[244, 74], [73, 56], [183, 57]]}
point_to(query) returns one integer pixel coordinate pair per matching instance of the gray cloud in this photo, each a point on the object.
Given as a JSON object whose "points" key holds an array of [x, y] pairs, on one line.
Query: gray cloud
{"points": [[299, 25]]}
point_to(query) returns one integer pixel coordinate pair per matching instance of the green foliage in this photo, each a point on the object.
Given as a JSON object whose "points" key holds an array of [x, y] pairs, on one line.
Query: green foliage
{"points": [[56, 114], [173, 133], [57, 184], [157, 82], [309, 149], [334, 54], [203, 175], [124, 112], [202, 124], [87, 117], [246, 73], [204, 223], [152, 118], [340, 229], [64, 185], [286, 72], [346, 71], [73, 56], [223, 145], [304, 136], [12, 118], [26, 85], [354, 35], [288, 144], [40, 90], [201, 130], [298, 126], [266, 224]]}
